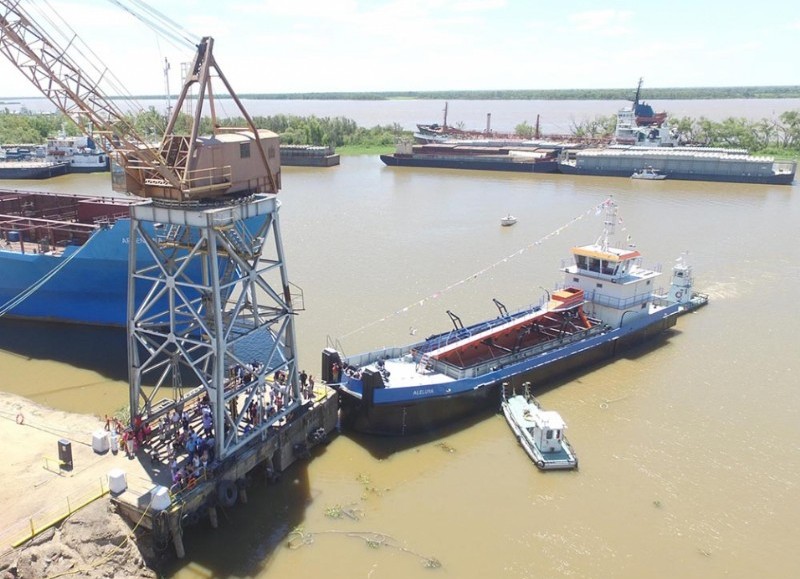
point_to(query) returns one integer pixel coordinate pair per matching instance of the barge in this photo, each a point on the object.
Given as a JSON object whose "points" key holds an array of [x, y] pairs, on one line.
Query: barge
{"points": [[686, 163], [483, 157]]}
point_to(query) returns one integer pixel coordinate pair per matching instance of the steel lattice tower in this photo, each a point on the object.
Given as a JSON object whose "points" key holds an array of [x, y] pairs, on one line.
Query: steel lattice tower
{"points": [[214, 297]]}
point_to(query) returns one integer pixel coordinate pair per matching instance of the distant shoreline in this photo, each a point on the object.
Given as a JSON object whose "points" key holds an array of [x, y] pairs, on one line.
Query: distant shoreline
{"points": [[699, 93]]}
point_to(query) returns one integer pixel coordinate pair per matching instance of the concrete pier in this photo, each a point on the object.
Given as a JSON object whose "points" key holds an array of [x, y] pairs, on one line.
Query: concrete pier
{"points": [[222, 484]]}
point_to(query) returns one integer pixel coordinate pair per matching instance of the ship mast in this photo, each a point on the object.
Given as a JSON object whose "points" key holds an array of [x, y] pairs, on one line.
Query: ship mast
{"points": [[166, 87], [609, 223], [638, 92]]}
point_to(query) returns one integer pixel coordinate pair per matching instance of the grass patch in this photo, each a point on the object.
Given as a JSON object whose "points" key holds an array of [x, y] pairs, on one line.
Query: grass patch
{"points": [[350, 150]]}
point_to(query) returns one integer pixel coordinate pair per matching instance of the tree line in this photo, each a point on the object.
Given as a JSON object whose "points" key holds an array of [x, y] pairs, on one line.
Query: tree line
{"points": [[779, 136]]}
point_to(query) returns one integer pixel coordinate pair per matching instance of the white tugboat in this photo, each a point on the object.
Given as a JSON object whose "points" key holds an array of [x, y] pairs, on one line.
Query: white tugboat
{"points": [[539, 432], [649, 174]]}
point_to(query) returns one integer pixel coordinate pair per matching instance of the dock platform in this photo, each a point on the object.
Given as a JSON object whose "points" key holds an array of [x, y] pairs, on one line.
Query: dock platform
{"points": [[148, 496]]}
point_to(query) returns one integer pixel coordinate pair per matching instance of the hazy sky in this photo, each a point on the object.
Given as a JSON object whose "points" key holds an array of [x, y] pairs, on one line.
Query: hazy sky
{"points": [[272, 46]]}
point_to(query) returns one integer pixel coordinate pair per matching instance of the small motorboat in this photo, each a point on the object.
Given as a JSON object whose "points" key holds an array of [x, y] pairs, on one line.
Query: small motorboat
{"points": [[649, 173], [540, 432], [508, 220]]}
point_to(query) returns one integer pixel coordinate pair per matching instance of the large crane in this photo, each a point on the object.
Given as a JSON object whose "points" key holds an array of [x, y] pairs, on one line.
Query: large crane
{"points": [[184, 166], [203, 281]]}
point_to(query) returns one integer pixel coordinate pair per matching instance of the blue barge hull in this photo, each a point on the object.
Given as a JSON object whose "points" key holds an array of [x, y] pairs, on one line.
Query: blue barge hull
{"points": [[399, 412]]}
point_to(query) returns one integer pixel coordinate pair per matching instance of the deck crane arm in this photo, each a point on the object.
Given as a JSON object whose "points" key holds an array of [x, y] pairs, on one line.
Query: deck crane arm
{"points": [[176, 170]]}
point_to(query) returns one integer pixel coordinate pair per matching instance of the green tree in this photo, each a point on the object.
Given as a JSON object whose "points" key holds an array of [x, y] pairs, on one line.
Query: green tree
{"points": [[524, 130]]}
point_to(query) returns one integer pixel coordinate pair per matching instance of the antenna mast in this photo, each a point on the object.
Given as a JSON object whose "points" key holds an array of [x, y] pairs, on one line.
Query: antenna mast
{"points": [[166, 85]]}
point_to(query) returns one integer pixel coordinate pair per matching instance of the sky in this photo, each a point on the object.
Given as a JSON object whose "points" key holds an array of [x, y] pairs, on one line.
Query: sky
{"points": [[297, 46]]}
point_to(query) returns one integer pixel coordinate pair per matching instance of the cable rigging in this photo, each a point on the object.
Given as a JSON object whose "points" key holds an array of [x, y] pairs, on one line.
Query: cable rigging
{"points": [[593, 210]]}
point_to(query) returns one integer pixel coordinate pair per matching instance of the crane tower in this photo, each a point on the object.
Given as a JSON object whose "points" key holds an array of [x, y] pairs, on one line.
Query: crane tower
{"points": [[210, 311]]}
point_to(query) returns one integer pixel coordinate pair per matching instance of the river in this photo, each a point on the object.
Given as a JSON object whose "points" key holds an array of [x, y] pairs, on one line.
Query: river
{"points": [[688, 446], [555, 117]]}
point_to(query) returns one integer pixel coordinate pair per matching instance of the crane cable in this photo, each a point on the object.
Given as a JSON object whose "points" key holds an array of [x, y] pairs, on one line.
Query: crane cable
{"points": [[25, 294], [158, 22], [90, 61], [59, 28]]}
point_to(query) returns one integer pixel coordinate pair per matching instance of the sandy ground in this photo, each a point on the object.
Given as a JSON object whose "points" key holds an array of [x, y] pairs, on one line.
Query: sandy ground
{"points": [[34, 488]]}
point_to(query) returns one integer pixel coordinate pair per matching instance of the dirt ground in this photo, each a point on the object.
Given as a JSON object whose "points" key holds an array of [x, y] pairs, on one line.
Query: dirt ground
{"points": [[92, 542]]}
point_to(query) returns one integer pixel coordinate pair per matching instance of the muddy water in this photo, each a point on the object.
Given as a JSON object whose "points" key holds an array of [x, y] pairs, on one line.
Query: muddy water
{"points": [[687, 447]]}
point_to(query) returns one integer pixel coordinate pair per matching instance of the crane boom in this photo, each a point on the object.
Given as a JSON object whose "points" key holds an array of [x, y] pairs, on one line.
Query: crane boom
{"points": [[183, 167], [58, 77]]}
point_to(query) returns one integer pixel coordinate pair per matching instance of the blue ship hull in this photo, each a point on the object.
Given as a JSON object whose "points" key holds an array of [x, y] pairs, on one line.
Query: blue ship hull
{"points": [[92, 287], [403, 411]]}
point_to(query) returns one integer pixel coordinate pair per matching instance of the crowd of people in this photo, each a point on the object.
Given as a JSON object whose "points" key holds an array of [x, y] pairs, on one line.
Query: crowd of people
{"points": [[187, 432]]}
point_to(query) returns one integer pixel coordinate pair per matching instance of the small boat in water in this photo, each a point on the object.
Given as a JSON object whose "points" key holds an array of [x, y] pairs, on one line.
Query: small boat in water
{"points": [[508, 220], [648, 173], [540, 432]]}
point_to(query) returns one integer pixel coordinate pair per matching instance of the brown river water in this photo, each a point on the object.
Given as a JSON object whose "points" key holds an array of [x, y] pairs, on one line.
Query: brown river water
{"points": [[688, 446]]}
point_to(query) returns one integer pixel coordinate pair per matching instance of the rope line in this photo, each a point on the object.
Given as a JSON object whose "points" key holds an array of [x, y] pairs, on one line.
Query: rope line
{"points": [[595, 209], [25, 294]]}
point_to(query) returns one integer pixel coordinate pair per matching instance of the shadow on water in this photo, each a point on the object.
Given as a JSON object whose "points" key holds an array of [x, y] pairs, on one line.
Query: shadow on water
{"points": [[382, 447], [641, 350], [248, 534], [103, 350]]}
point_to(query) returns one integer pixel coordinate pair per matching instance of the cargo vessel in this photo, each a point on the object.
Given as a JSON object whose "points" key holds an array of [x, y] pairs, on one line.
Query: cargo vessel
{"points": [[608, 302], [308, 156], [64, 257], [643, 138], [79, 153], [61, 155]]}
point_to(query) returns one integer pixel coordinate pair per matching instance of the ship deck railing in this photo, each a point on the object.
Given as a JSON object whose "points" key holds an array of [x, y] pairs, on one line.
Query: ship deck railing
{"points": [[441, 340], [460, 373], [601, 299]]}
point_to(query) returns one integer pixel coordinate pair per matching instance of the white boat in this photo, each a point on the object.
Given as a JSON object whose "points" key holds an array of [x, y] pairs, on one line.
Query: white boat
{"points": [[648, 173], [78, 152], [508, 220], [540, 432]]}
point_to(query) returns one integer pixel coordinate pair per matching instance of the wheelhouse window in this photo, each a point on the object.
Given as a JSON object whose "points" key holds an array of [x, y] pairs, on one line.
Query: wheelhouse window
{"points": [[244, 151]]}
